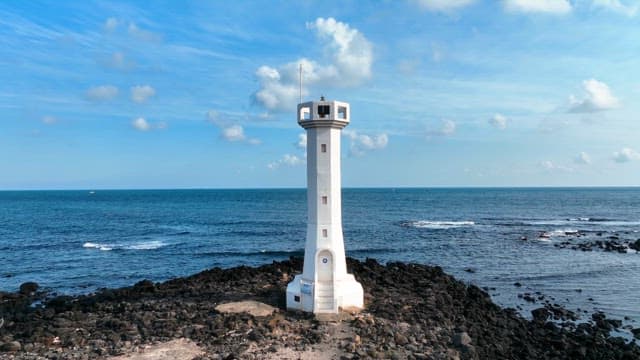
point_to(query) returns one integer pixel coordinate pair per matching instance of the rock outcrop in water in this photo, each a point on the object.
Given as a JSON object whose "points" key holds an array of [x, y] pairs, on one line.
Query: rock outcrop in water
{"points": [[412, 312]]}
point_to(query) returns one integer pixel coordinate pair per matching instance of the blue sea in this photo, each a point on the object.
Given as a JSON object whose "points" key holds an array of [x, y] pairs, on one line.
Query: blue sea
{"points": [[74, 242]]}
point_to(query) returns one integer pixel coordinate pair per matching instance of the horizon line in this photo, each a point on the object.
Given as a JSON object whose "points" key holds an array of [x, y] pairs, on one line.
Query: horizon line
{"points": [[348, 187]]}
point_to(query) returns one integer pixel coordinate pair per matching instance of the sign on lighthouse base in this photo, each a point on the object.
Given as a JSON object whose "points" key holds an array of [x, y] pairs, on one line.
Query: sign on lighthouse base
{"points": [[324, 296], [324, 285]]}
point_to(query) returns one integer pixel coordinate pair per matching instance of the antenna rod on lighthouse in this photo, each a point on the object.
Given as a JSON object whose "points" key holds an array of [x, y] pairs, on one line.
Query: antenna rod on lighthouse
{"points": [[300, 83]]}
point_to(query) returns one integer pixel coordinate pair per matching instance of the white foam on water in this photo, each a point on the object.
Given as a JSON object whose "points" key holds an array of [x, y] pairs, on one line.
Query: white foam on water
{"points": [[145, 245], [102, 247], [580, 219], [583, 221], [148, 245], [557, 233], [428, 224]]}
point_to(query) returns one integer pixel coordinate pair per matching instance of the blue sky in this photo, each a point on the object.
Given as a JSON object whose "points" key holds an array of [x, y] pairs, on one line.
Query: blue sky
{"points": [[104, 94]]}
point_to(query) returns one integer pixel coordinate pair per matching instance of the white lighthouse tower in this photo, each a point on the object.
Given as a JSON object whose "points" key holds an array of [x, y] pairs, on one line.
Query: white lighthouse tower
{"points": [[324, 285]]}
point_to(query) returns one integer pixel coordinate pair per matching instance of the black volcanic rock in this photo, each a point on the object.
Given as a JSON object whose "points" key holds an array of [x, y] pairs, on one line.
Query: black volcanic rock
{"points": [[412, 311], [28, 288]]}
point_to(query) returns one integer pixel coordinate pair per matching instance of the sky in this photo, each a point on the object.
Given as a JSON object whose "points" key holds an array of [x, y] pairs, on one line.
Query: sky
{"points": [[202, 94]]}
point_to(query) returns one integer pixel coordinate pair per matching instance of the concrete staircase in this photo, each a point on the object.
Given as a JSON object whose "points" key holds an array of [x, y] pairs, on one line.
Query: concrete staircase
{"points": [[324, 301]]}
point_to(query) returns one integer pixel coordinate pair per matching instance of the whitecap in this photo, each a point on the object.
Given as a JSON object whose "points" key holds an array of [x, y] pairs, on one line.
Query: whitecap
{"points": [[148, 245], [428, 224], [103, 247], [560, 233]]}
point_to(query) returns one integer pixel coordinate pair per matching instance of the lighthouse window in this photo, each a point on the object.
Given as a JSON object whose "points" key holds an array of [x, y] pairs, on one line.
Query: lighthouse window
{"points": [[324, 232], [323, 148], [324, 200], [342, 112], [324, 110]]}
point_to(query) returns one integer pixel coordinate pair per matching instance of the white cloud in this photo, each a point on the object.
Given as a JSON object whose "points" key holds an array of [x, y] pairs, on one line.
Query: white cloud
{"points": [[230, 131], [551, 166], [352, 52], [349, 64], [626, 155], [499, 121], [359, 144], [286, 160], [302, 141], [102, 93], [557, 7], [233, 133], [617, 6], [141, 124], [273, 93], [140, 93], [583, 158], [448, 127], [49, 120], [111, 24], [598, 97], [144, 35], [443, 5], [118, 61], [214, 118]]}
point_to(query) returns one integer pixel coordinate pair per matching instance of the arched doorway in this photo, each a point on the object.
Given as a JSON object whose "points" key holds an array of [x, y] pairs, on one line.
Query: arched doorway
{"points": [[324, 266]]}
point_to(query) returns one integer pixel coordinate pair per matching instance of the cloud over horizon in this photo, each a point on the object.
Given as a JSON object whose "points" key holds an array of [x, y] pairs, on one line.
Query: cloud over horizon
{"points": [[626, 155], [598, 97], [583, 159], [348, 66], [499, 121], [286, 160], [447, 128], [360, 144], [230, 131]]}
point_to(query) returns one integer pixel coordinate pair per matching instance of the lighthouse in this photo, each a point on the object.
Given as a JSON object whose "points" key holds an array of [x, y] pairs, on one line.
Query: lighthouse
{"points": [[324, 285]]}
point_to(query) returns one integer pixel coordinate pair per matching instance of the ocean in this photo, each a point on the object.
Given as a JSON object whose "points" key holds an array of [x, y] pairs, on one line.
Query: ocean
{"points": [[74, 242]]}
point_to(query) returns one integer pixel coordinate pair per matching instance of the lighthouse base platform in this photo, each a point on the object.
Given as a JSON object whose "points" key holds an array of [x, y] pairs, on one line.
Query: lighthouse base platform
{"points": [[324, 296]]}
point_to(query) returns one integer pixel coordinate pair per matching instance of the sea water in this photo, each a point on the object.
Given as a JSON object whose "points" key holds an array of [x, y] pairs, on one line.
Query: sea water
{"points": [[74, 242]]}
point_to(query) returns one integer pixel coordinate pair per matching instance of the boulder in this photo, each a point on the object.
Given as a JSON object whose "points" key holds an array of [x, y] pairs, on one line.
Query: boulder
{"points": [[250, 307], [461, 339], [540, 314], [11, 346], [28, 288]]}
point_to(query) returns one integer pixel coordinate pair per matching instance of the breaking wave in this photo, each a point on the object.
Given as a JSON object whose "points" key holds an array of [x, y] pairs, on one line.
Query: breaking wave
{"points": [[145, 245], [103, 247], [428, 224], [579, 221]]}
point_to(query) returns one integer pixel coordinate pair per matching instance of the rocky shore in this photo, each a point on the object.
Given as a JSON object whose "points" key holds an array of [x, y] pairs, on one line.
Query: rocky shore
{"points": [[412, 312]]}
